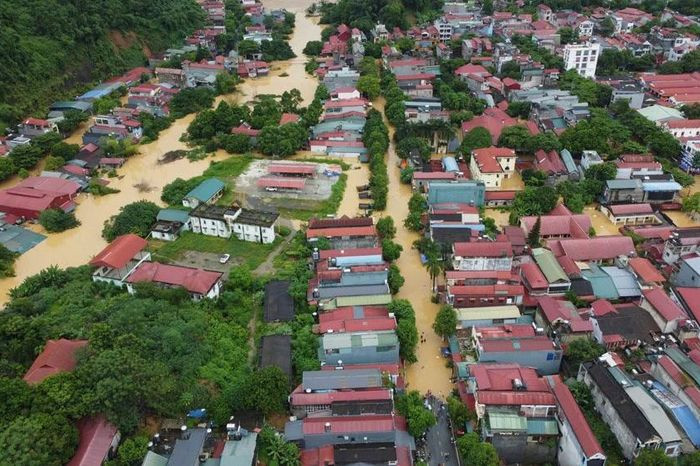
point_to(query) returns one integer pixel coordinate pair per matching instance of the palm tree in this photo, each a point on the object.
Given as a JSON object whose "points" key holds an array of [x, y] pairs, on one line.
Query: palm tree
{"points": [[434, 263]]}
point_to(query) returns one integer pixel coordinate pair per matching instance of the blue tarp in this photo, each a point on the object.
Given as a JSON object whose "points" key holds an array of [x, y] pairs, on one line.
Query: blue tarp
{"points": [[197, 413], [685, 417]]}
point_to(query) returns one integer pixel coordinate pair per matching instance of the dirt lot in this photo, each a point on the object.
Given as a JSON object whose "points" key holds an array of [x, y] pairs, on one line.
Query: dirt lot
{"points": [[207, 261], [317, 189]]}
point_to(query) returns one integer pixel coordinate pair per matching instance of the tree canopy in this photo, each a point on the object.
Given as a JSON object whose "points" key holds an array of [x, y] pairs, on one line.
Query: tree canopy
{"points": [[136, 217]]}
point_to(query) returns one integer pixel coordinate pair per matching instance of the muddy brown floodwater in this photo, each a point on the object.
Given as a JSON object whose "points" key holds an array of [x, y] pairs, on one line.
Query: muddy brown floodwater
{"points": [[430, 372], [77, 246]]}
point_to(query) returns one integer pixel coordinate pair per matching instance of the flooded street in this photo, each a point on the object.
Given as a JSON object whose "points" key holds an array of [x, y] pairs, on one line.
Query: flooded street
{"points": [[430, 372], [77, 246]]}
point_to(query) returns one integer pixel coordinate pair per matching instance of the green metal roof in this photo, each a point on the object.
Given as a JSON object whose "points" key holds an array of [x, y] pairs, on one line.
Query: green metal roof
{"points": [[659, 112], [359, 340], [685, 363], [542, 427], [490, 312], [206, 189], [154, 459], [370, 300], [549, 265], [507, 421], [173, 215], [462, 370], [602, 284]]}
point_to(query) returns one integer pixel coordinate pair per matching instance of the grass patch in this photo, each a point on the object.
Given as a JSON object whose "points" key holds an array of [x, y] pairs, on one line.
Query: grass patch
{"points": [[243, 252], [327, 207]]}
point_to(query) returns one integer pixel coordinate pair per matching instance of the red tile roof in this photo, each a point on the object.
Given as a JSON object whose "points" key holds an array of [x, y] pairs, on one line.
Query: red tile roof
{"points": [[674, 371], [58, 356], [349, 424], [631, 209], [119, 252], [691, 299], [601, 307], [338, 232], [96, 436], [499, 377], [300, 398], [534, 276], [280, 182], [345, 103], [575, 226], [484, 249], [351, 252], [516, 398], [37, 122], [358, 325], [500, 195], [592, 249], [292, 168], [549, 162], [493, 120], [481, 274], [645, 270], [193, 280], [342, 222], [505, 331], [680, 124], [518, 345], [573, 414], [663, 304], [486, 290], [434, 176]]}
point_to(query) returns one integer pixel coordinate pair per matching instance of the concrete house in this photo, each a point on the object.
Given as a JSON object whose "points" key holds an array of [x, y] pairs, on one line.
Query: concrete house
{"points": [[482, 255], [561, 320], [536, 351], [683, 241], [688, 274], [630, 214], [197, 282], [32, 127], [224, 222], [207, 192], [629, 425], [623, 192], [490, 315], [169, 224], [557, 280], [116, 262], [359, 348], [492, 165], [622, 326], [666, 313]]}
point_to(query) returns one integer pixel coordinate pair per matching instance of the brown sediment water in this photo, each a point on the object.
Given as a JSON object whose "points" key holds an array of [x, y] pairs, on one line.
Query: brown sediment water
{"points": [[430, 373], [77, 246]]}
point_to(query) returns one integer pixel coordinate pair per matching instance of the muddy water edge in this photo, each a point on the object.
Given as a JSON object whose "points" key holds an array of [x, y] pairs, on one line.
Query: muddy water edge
{"points": [[77, 246]]}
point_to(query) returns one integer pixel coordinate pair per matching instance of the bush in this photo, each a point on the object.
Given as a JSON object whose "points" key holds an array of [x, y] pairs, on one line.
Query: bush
{"points": [[136, 218], [53, 163], [390, 250], [65, 151], [313, 48], [175, 191], [386, 228], [395, 279], [7, 262], [56, 220]]}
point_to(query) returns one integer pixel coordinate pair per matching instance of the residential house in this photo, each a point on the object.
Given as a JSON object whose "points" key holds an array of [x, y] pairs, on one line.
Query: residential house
{"points": [[201, 74], [630, 91], [32, 127], [57, 356], [561, 320], [252, 68], [207, 192], [482, 255], [355, 319], [660, 114], [116, 262], [169, 224], [688, 274], [627, 422], [420, 180], [683, 241], [276, 351], [97, 442], [516, 411], [557, 280], [329, 285], [551, 164], [622, 326], [537, 351], [359, 348], [344, 232], [246, 225], [492, 165], [31, 196], [623, 191], [489, 316], [597, 249], [646, 273], [470, 192], [679, 379], [197, 282], [499, 198], [494, 120], [172, 76], [578, 445], [465, 296], [630, 214], [559, 223]]}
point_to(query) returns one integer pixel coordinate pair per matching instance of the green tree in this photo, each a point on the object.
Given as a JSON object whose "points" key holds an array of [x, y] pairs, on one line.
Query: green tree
{"points": [[582, 350], [64, 150], [533, 201], [53, 163], [7, 168], [394, 279], [418, 417], [7, 262], [385, 228], [692, 203], [515, 137], [57, 220], [136, 218], [434, 264], [369, 86], [607, 27], [390, 250], [459, 413], [413, 221], [402, 310], [653, 458], [405, 44], [53, 440], [225, 83], [26, 156], [533, 237], [519, 109], [445, 323], [475, 452], [268, 389], [175, 191], [487, 7], [408, 340], [477, 138], [414, 145], [407, 175], [567, 35], [132, 451], [313, 48]]}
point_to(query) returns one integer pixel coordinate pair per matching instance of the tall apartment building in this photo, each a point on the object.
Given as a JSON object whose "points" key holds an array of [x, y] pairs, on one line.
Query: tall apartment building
{"points": [[582, 57]]}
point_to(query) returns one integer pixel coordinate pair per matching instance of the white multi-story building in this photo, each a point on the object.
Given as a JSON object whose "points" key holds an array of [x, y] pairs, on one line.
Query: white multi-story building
{"points": [[582, 57], [246, 225], [585, 28]]}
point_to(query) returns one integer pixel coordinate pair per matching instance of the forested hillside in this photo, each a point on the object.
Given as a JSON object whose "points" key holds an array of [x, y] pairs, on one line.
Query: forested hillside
{"points": [[49, 47]]}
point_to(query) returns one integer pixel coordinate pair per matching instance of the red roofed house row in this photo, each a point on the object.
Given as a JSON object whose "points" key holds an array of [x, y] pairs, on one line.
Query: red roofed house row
{"points": [[666, 313], [494, 120], [578, 443], [341, 402], [292, 169], [492, 165], [562, 224], [98, 441], [32, 196], [199, 283], [482, 255], [461, 296], [646, 273], [598, 249], [58, 356], [538, 352], [118, 260]]}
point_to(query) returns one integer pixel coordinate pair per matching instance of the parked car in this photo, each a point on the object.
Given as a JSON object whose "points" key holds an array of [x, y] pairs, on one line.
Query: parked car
{"points": [[366, 205], [224, 258], [365, 195], [363, 188]]}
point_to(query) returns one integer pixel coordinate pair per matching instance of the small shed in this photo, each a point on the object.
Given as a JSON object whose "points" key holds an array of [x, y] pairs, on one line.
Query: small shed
{"points": [[279, 305], [276, 350]]}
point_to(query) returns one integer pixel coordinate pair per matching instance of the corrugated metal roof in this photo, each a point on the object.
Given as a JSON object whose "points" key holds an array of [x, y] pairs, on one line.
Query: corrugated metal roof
{"points": [[542, 427], [342, 379], [370, 300], [491, 312], [654, 414], [549, 265], [206, 189], [507, 421], [624, 281], [359, 339], [603, 286]]}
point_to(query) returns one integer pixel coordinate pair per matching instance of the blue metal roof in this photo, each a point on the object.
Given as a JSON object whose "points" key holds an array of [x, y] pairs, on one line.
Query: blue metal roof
{"points": [[661, 186], [173, 215], [685, 417], [450, 164], [568, 160], [603, 286]]}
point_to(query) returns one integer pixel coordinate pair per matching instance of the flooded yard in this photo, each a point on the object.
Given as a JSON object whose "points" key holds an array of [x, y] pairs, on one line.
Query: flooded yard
{"points": [[77, 246], [602, 224]]}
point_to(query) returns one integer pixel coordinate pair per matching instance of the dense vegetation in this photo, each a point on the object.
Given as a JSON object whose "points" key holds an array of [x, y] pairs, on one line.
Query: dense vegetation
{"points": [[364, 14], [50, 47]]}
